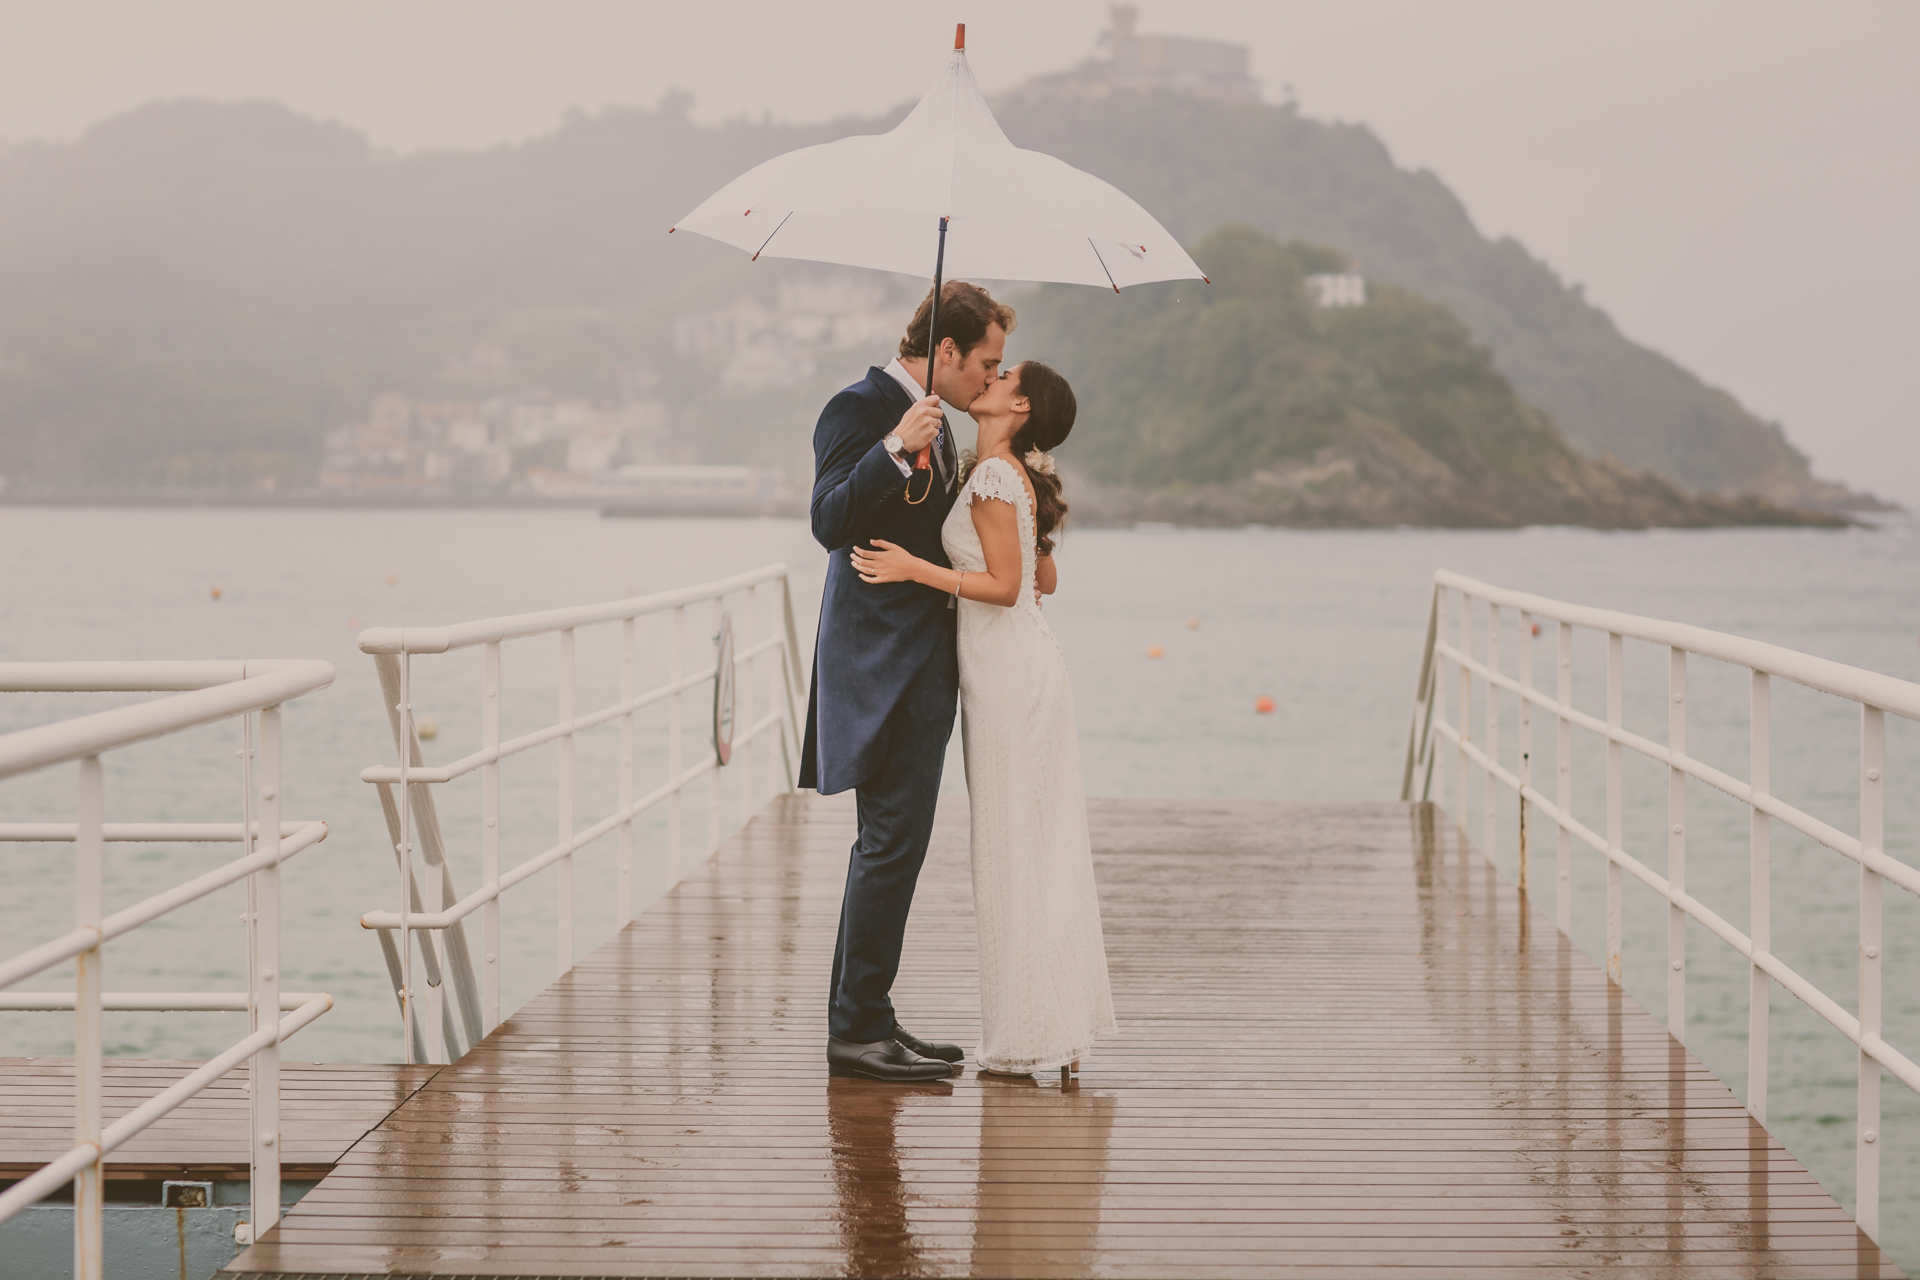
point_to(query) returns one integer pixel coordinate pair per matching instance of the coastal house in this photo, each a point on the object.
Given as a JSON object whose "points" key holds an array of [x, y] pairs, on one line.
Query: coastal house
{"points": [[779, 346], [1338, 289]]}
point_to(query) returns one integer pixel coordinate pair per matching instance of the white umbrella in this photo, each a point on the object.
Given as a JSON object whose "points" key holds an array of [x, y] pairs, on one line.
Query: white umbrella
{"points": [[943, 184]]}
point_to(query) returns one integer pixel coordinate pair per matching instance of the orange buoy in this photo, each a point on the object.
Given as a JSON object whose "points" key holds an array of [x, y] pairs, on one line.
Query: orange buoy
{"points": [[392, 579], [1156, 651], [1263, 704], [1536, 628], [215, 593], [1193, 624], [354, 623]]}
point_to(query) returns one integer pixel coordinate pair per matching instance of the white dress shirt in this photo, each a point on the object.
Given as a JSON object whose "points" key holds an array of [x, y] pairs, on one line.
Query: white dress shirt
{"points": [[914, 389]]}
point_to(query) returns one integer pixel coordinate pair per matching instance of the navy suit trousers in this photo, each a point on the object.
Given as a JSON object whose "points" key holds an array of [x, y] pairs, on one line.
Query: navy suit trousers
{"points": [[895, 806]]}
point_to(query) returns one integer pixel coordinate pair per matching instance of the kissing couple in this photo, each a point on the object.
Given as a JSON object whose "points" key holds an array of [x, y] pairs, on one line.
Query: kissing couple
{"points": [[937, 566]]}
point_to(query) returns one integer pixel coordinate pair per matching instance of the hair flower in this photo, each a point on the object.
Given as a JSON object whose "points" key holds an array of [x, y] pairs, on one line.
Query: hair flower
{"points": [[1041, 462]]}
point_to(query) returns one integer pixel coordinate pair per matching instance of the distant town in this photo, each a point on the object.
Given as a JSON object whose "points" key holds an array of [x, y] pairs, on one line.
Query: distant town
{"points": [[537, 445]]}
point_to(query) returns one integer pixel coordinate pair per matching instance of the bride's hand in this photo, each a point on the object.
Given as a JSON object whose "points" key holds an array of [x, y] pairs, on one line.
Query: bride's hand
{"points": [[885, 563]]}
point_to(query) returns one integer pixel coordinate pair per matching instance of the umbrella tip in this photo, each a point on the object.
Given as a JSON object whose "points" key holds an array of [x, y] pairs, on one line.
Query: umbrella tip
{"points": [[960, 36], [1207, 279]]}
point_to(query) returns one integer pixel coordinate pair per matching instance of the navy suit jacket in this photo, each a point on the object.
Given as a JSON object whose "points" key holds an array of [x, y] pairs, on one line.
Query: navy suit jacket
{"points": [[874, 640]]}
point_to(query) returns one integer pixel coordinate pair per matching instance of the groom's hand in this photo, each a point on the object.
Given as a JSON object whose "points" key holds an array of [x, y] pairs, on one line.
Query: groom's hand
{"points": [[920, 424]]}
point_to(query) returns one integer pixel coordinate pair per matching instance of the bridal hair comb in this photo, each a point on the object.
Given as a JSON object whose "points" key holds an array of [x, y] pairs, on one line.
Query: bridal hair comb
{"points": [[1041, 462]]}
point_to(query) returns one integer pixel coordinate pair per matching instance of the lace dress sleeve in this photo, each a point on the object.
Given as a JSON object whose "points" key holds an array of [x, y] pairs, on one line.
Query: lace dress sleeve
{"points": [[994, 479]]}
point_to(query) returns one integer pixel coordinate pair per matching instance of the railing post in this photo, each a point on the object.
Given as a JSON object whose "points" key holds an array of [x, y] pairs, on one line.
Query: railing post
{"points": [[564, 941], [1525, 657], [1466, 713], [1866, 1142], [408, 1014], [1563, 790], [744, 715], [676, 715], [264, 933], [490, 837], [1760, 889], [791, 679], [1615, 835], [713, 778], [1490, 807], [1676, 844], [1439, 694], [1420, 721], [89, 903], [623, 858]]}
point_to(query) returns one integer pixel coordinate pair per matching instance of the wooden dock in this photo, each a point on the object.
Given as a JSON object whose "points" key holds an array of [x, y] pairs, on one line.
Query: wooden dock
{"points": [[325, 1109], [1346, 1050]]}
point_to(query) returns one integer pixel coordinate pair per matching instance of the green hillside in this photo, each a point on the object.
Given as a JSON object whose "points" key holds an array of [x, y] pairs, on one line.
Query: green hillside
{"points": [[1197, 164], [1244, 401]]}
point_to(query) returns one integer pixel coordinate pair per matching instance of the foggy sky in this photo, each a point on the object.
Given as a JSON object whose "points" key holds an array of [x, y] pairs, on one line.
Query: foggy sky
{"points": [[1736, 182]]}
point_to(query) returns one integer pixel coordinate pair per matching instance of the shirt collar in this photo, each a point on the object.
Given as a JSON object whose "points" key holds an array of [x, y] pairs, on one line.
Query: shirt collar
{"points": [[905, 379]]}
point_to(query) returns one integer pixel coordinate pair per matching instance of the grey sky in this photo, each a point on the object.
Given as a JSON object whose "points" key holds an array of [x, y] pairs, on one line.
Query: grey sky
{"points": [[1736, 182]]}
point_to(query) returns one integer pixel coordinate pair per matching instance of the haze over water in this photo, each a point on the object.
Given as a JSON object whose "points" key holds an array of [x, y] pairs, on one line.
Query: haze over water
{"points": [[1327, 624]]}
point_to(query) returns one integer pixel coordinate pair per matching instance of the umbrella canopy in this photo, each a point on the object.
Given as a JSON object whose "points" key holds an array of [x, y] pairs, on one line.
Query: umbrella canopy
{"points": [[877, 201]]}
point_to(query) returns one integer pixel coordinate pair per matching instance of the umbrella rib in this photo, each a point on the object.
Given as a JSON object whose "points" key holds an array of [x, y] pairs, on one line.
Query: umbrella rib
{"points": [[1096, 255], [769, 240]]}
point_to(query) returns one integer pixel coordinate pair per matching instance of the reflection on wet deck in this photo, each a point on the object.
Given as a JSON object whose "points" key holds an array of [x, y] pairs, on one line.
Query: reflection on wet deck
{"points": [[1345, 1050]]}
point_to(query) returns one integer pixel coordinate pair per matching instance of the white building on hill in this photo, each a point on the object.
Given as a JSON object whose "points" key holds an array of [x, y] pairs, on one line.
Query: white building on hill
{"points": [[1344, 289]]}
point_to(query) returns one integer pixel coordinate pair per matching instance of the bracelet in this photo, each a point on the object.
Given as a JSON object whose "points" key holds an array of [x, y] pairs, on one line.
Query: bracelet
{"points": [[957, 583]]}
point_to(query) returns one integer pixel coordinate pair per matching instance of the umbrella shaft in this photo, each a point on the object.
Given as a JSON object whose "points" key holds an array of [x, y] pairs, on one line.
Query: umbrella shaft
{"points": [[933, 306]]}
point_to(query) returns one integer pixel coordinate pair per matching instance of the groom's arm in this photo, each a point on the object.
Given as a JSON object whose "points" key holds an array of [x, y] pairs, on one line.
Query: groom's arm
{"points": [[853, 472]]}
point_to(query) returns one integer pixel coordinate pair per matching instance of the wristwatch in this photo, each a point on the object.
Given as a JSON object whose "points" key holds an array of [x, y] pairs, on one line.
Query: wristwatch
{"points": [[894, 444]]}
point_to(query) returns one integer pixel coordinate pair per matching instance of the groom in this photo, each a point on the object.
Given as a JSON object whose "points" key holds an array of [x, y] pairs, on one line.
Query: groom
{"points": [[885, 676]]}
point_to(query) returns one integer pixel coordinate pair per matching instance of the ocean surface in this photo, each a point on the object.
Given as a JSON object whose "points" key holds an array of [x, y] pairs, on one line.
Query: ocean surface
{"points": [[1327, 625]]}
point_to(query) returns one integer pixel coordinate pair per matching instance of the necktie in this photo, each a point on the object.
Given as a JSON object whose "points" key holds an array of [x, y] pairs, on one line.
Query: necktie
{"points": [[940, 458]]}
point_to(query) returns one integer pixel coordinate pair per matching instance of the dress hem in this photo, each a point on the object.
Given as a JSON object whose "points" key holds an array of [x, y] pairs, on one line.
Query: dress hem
{"points": [[1050, 1062]]}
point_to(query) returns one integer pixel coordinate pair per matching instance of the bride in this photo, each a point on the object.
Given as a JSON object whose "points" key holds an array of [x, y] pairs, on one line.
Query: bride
{"points": [[1043, 963]]}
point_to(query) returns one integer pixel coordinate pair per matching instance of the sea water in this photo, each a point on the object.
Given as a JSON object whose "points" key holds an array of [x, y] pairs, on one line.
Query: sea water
{"points": [[1326, 625]]}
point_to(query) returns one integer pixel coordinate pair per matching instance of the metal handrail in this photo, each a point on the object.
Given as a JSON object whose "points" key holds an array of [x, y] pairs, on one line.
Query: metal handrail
{"points": [[208, 691], [67, 740], [1874, 693], [461, 1000], [519, 626]]}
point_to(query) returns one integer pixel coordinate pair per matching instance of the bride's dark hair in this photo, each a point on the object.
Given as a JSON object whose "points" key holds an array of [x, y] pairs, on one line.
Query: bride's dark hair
{"points": [[1049, 421]]}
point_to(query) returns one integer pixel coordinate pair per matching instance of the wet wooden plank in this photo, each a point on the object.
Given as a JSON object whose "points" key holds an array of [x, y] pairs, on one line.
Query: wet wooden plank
{"points": [[1346, 1050], [325, 1108]]}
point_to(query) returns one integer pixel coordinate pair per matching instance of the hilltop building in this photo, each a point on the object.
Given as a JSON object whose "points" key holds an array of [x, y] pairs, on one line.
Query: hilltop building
{"points": [[1134, 62]]}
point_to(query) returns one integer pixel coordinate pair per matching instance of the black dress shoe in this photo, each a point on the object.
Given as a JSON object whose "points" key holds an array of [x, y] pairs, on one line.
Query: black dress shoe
{"points": [[944, 1052], [882, 1060]]}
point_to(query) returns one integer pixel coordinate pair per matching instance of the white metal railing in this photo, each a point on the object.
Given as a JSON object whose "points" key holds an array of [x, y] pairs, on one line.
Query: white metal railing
{"points": [[1875, 694], [203, 692], [441, 1028]]}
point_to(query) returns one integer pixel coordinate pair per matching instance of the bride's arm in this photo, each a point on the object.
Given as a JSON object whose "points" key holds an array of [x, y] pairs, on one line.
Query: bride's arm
{"points": [[999, 530], [1046, 578]]}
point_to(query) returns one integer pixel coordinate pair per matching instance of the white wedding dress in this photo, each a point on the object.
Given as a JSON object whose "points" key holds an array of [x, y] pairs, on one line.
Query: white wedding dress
{"points": [[1043, 962]]}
